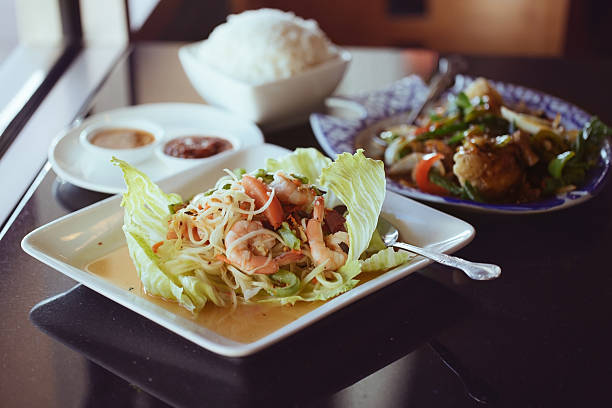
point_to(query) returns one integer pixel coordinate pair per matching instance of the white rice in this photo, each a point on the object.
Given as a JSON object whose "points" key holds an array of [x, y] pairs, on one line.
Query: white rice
{"points": [[265, 45]]}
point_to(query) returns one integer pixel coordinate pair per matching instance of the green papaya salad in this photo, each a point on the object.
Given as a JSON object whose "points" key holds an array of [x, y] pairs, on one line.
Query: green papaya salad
{"points": [[301, 229]]}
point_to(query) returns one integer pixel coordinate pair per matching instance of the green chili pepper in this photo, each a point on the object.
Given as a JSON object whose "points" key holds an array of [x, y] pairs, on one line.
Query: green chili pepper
{"points": [[288, 279], [303, 179], [264, 175], [555, 166], [288, 236]]}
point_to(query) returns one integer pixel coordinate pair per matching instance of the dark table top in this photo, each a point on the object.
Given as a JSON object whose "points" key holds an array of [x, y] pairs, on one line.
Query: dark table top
{"points": [[538, 336]]}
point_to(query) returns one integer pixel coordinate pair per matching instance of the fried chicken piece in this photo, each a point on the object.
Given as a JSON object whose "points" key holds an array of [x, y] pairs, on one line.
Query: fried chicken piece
{"points": [[481, 87], [496, 172]]}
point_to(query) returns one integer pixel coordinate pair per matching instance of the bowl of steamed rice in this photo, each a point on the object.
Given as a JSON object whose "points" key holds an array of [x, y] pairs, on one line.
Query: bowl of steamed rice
{"points": [[265, 65]]}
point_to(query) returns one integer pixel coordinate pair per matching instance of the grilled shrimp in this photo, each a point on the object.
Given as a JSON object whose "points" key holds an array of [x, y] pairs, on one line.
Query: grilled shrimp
{"points": [[332, 257], [248, 246], [292, 191]]}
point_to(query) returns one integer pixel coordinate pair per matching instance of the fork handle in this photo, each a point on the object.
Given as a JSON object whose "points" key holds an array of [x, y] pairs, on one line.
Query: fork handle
{"points": [[475, 270]]}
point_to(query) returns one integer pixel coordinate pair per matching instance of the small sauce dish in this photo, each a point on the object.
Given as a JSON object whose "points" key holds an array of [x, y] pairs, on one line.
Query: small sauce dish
{"points": [[132, 140], [186, 148]]}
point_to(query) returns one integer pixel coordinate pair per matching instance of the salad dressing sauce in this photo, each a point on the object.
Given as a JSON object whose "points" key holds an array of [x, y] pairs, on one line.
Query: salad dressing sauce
{"points": [[245, 324], [122, 138]]}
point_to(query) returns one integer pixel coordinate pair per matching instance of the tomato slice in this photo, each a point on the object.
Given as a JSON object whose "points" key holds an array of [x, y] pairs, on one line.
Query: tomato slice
{"points": [[259, 192], [421, 174], [421, 130]]}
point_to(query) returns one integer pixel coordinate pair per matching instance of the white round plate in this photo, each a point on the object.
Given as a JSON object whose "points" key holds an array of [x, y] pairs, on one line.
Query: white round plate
{"points": [[74, 164]]}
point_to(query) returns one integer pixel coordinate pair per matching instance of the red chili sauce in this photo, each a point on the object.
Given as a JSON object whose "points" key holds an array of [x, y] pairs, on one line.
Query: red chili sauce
{"points": [[196, 147]]}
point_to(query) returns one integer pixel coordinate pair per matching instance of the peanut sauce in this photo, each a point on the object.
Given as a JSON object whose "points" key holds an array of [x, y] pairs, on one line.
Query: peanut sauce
{"points": [[122, 138], [196, 147]]}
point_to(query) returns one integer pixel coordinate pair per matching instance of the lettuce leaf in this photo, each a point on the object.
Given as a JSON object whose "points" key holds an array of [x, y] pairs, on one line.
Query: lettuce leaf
{"points": [[359, 183], [376, 244], [306, 162], [146, 212], [385, 259]]}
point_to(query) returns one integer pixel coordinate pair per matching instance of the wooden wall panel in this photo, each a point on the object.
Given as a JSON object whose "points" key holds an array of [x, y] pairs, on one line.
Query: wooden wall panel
{"points": [[501, 27]]}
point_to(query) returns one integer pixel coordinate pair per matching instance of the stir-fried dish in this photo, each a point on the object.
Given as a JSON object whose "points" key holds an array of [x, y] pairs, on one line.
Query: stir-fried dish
{"points": [[478, 148], [291, 231]]}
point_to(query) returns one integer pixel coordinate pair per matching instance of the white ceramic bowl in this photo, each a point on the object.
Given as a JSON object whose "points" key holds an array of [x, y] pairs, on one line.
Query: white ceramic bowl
{"points": [[178, 163], [270, 101], [133, 155]]}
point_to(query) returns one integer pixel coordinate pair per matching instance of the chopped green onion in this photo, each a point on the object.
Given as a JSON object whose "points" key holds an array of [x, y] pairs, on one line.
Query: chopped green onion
{"points": [[443, 130]]}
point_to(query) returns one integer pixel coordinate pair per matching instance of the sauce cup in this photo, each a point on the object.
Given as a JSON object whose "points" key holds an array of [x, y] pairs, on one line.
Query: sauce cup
{"points": [[132, 140], [182, 162]]}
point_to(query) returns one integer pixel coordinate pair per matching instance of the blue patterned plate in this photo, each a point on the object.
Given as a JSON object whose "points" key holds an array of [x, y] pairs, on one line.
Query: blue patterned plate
{"points": [[337, 135]]}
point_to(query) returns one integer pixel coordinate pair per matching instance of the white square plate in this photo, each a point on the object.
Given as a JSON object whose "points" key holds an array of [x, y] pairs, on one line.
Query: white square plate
{"points": [[69, 243]]}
